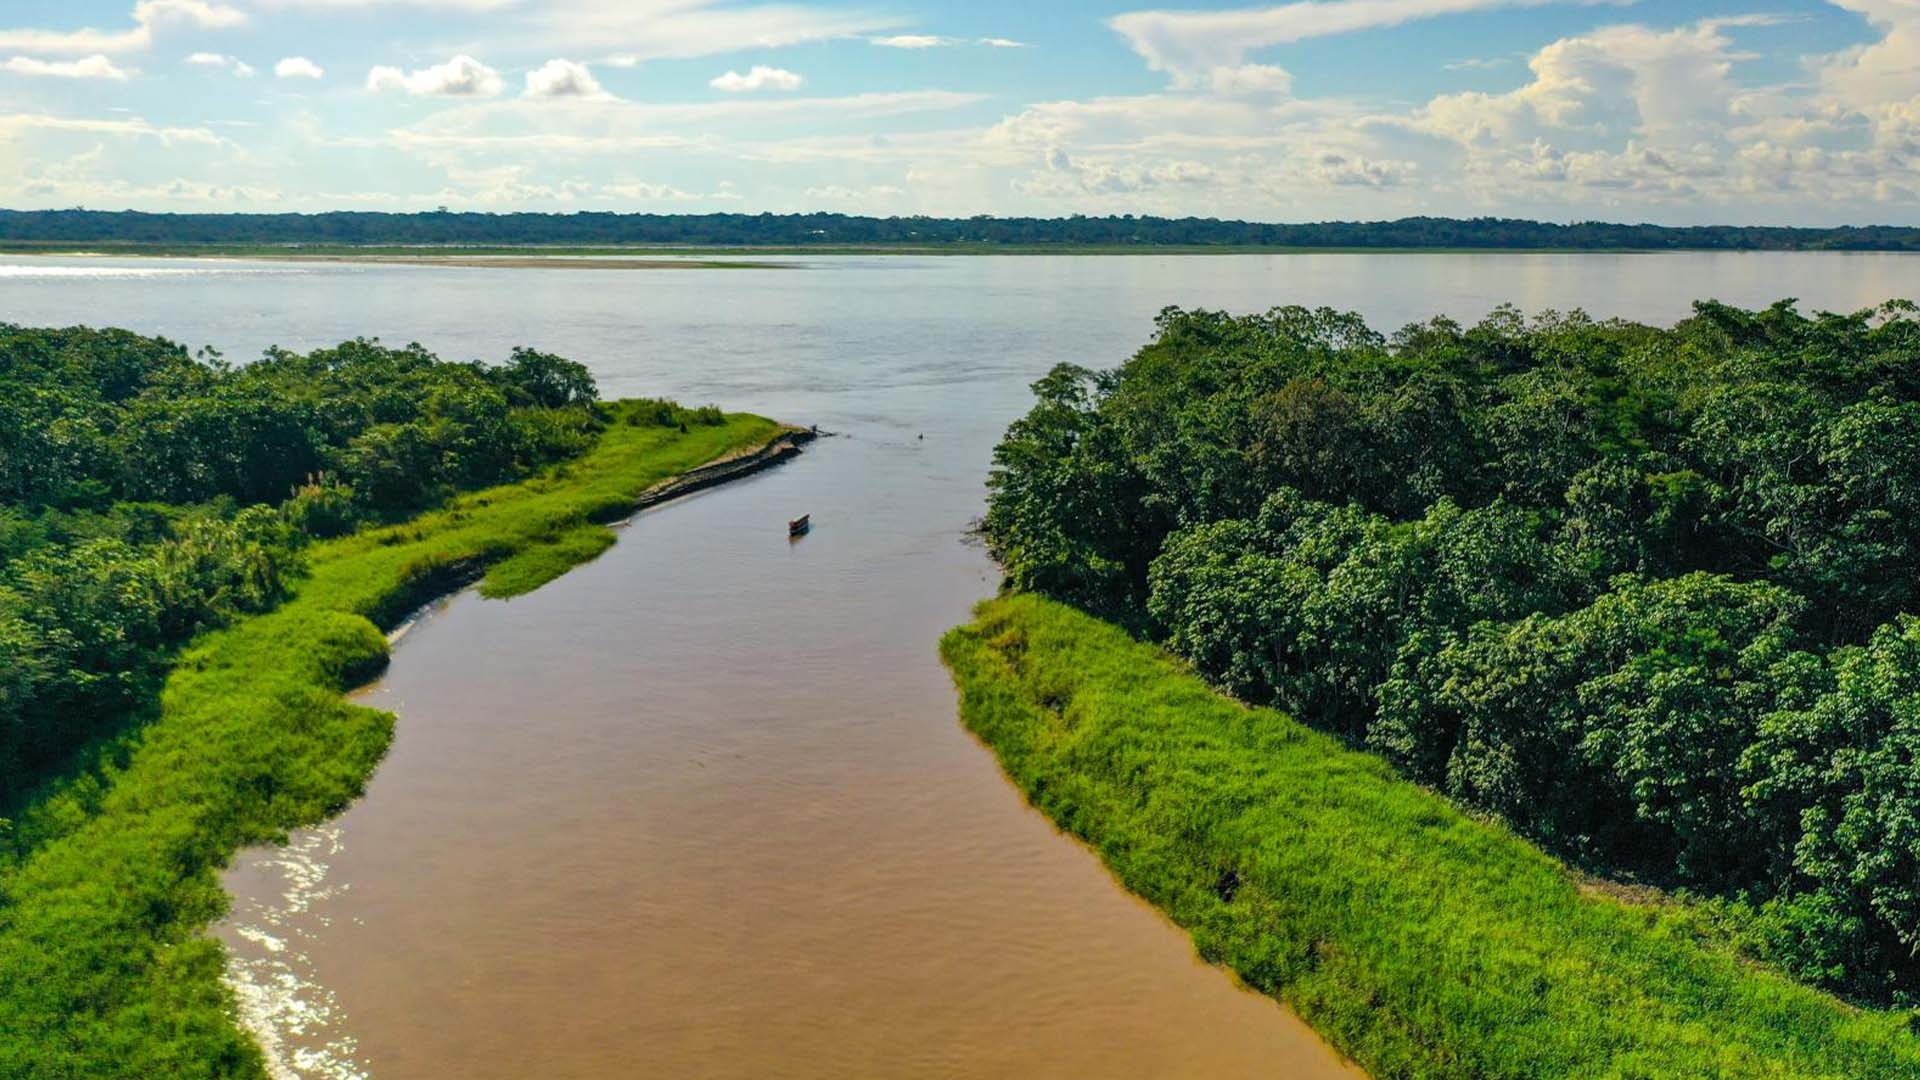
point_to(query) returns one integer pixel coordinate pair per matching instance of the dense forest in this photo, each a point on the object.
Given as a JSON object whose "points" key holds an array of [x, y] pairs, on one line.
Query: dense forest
{"points": [[1648, 595], [90, 227], [147, 494]]}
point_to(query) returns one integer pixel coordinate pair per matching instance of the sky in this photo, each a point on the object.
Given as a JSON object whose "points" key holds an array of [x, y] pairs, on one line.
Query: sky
{"points": [[1670, 111]]}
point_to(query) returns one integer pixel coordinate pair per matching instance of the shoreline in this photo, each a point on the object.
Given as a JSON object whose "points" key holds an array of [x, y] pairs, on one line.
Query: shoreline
{"points": [[1315, 873], [738, 465], [271, 991], [254, 737], [719, 257]]}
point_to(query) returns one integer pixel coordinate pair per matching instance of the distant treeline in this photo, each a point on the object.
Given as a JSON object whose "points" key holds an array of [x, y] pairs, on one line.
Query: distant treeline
{"points": [[829, 230]]}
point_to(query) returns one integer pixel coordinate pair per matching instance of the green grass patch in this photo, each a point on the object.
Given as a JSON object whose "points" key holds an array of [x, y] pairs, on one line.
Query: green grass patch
{"points": [[527, 570], [1420, 941], [108, 879]]}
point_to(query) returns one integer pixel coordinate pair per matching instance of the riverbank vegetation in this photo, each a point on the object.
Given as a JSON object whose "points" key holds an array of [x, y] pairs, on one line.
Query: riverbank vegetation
{"points": [[268, 518], [1423, 942], [1645, 594]]}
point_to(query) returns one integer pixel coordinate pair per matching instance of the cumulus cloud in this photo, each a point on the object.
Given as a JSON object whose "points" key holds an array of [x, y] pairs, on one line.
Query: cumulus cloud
{"points": [[149, 17], [298, 67], [1250, 79], [1613, 83], [1352, 170], [1880, 71], [644, 192], [96, 66], [1658, 121], [462, 76], [564, 79], [760, 77], [240, 68], [1064, 176]]}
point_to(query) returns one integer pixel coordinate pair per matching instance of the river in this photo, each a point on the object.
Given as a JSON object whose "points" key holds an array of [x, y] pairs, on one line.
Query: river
{"points": [[702, 808]]}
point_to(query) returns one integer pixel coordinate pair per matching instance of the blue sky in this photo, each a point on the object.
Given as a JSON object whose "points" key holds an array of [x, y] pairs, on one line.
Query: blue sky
{"points": [[1678, 111]]}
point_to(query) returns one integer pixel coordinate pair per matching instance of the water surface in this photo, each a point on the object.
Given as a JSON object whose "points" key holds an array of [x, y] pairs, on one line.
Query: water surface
{"points": [[702, 808]]}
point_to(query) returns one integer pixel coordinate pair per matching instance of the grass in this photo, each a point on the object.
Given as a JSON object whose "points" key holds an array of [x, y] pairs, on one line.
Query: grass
{"points": [[1420, 941], [108, 879]]}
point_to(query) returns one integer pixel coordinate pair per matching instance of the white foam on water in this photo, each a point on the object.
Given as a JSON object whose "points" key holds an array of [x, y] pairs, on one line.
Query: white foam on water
{"points": [[296, 1020]]}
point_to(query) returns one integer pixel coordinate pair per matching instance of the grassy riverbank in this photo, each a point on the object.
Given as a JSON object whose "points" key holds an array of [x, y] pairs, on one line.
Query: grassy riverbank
{"points": [[107, 879], [1420, 941]]}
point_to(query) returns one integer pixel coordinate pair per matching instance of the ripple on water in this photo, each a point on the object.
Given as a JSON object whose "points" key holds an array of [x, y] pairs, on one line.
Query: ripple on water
{"points": [[282, 1002]]}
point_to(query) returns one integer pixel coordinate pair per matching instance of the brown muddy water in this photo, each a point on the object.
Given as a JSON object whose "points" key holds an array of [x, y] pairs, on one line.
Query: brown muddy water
{"points": [[702, 808]]}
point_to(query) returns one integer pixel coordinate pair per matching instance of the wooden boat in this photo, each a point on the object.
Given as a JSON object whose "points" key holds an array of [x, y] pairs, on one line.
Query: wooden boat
{"points": [[800, 526]]}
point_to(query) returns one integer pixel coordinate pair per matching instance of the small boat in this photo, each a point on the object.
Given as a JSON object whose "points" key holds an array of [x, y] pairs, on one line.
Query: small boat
{"points": [[800, 526]]}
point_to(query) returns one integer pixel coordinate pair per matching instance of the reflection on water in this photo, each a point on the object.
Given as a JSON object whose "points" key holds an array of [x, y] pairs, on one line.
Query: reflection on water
{"points": [[296, 1017], [702, 808]]}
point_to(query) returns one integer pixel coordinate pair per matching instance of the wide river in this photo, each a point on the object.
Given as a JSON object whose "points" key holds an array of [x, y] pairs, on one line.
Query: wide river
{"points": [[702, 808]]}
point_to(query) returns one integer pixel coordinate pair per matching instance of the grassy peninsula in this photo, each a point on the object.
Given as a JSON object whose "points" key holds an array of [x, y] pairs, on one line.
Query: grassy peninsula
{"points": [[1645, 600], [104, 970], [133, 765], [1421, 941]]}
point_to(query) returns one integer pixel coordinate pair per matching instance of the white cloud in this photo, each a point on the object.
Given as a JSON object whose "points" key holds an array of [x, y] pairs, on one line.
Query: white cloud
{"points": [[91, 67], [513, 128], [761, 77], [1250, 79], [914, 41], [149, 16], [840, 193], [298, 67], [1352, 170], [1655, 122], [564, 79], [1065, 176], [683, 29], [1190, 44], [443, 5], [1884, 70], [642, 192], [462, 76], [1612, 84], [136, 128], [940, 41], [240, 68]]}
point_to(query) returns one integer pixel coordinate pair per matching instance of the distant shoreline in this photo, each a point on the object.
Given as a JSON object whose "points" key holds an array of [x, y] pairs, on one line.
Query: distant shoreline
{"points": [[608, 233], [684, 257], [486, 259]]}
